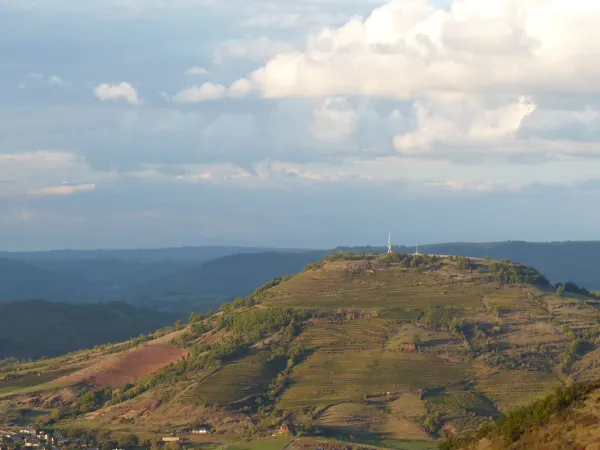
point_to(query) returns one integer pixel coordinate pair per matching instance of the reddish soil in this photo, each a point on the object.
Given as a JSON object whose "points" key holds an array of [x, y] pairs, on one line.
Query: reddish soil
{"points": [[126, 367]]}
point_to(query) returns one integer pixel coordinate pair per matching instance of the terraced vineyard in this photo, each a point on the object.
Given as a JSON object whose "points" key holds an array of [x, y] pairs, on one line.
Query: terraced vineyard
{"points": [[328, 377], [360, 334], [378, 290], [462, 400], [237, 381], [513, 388]]}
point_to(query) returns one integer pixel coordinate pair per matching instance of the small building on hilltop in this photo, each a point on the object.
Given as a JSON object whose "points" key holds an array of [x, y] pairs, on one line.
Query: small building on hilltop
{"points": [[201, 430]]}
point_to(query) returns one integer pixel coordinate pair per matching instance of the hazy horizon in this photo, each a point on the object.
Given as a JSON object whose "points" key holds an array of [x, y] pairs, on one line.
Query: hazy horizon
{"points": [[284, 248]]}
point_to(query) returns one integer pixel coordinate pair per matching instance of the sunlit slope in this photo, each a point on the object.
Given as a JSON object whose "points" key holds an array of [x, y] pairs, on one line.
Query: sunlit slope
{"points": [[391, 351]]}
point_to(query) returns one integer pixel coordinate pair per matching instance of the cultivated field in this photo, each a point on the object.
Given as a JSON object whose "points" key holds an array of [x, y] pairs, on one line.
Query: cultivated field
{"points": [[237, 381], [510, 389], [333, 377]]}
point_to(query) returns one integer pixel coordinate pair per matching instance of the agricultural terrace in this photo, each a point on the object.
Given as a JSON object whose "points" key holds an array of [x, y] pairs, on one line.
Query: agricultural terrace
{"points": [[237, 381], [462, 400], [332, 377], [510, 389], [394, 289]]}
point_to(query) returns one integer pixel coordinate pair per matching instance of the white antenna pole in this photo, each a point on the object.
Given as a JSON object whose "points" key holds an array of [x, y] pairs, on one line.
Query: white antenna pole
{"points": [[390, 242]]}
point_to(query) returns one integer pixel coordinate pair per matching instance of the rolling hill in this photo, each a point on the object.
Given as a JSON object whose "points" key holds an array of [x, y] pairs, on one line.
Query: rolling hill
{"points": [[22, 281], [219, 280], [391, 351], [32, 329], [201, 278]]}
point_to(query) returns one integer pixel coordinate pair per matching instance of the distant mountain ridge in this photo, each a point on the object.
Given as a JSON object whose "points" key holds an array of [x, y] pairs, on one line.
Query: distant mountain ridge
{"points": [[223, 278], [33, 328], [199, 278], [22, 281]]}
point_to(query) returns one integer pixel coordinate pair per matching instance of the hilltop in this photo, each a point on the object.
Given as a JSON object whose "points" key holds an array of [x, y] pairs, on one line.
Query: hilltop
{"points": [[393, 351], [199, 278]]}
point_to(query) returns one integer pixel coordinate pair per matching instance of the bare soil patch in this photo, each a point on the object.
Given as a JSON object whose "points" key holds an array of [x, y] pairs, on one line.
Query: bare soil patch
{"points": [[129, 366]]}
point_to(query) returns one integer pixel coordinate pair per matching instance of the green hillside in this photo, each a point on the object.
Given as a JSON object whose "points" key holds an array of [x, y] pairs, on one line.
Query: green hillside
{"points": [[390, 351]]}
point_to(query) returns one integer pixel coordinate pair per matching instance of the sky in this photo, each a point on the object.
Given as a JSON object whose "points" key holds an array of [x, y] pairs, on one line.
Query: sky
{"points": [[305, 123]]}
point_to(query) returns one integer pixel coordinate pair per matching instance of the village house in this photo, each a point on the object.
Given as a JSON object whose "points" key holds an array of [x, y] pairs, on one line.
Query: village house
{"points": [[171, 439], [201, 430]]}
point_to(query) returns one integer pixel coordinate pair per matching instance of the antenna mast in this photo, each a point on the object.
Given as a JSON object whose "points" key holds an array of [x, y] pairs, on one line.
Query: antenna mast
{"points": [[390, 243]]}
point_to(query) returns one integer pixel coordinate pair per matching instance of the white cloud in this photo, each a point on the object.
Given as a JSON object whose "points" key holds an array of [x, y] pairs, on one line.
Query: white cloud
{"points": [[64, 189], [407, 47], [202, 93], [240, 88], [124, 91], [462, 120], [258, 49], [334, 120], [196, 70], [57, 81], [35, 75]]}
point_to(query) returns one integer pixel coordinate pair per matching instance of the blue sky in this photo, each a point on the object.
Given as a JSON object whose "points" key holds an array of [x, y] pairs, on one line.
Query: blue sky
{"points": [[129, 123]]}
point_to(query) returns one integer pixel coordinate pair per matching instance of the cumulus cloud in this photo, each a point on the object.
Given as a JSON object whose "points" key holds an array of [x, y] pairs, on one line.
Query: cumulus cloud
{"points": [[240, 88], [202, 93], [407, 47], [258, 49], [196, 70], [459, 119], [123, 91], [334, 120]]}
